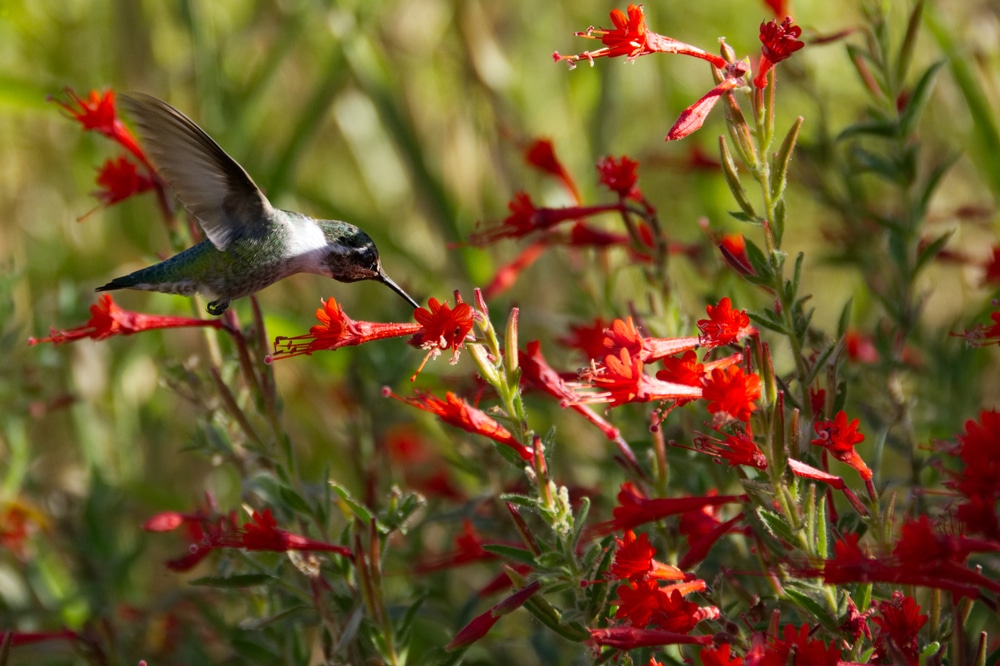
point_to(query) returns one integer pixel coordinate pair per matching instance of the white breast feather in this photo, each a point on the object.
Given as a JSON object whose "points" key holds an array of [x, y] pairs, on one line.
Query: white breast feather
{"points": [[307, 248]]}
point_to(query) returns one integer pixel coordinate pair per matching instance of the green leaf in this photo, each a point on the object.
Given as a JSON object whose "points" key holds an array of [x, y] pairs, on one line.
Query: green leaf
{"points": [[909, 42], [550, 560], [822, 530], [731, 174], [578, 522], [930, 187], [293, 613], [845, 318], [405, 623], [858, 58], [360, 511], [294, 501], [932, 249], [520, 500], [865, 160], [239, 580], [813, 607], [767, 319], [252, 651], [776, 525], [758, 260], [743, 217], [779, 221], [918, 100], [779, 170], [985, 141], [884, 129], [514, 553]]}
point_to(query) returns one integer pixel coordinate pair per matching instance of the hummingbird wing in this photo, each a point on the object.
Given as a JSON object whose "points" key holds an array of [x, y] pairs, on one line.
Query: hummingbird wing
{"points": [[210, 184]]}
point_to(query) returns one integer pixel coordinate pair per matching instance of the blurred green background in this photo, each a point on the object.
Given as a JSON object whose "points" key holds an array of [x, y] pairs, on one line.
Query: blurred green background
{"points": [[408, 118]]}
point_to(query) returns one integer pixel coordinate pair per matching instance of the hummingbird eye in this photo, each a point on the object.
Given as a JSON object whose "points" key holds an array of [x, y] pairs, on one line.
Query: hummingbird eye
{"points": [[369, 257]]}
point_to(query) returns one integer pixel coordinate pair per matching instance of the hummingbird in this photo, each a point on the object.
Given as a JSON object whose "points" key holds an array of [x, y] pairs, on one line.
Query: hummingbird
{"points": [[250, 244]]}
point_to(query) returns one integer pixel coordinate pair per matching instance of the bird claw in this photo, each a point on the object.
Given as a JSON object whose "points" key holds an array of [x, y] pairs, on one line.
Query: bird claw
{"points": [[216, 308]]}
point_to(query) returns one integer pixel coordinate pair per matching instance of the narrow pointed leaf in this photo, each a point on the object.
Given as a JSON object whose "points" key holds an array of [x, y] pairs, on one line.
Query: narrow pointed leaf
{"points": [[918, 100], [779, 171], [909, 41], [729, 170], [514, 553]]}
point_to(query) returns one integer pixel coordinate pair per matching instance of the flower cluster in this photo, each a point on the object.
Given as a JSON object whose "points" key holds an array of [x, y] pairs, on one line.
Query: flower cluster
{"points": [[207, 533], [119, 178], [720, 523]]}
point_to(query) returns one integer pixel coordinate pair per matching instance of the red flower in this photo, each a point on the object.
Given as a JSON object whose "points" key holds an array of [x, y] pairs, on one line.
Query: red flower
{"points": [[779, 42], [442, 328], [724, 325], [982, 335], [731, 392], [481, 624], [734, 251], [811, 651], [805, 471], [208, 534], [700, 543], [719, 656], [991, 268], [262, 533], [455, 411], [120, 179], [839, 437], [860, 347], [683, 369], [623, 335], [631, 38], [636, 601], [588, 338], [856, 623], [337, 330], [536, 370], [16, 638], [693, 117], [635, 509], [620, 176], [629, 638], [634, 561], [921, 557], [979, 479], [97, 113], [633, 558], [107, 319], [621, 380], [205, 533], [468, 548], [739, 448], [17, 520], [674, 613], [644, 602], [542, 155], [584, 235], [525, 217], [898, 620]]}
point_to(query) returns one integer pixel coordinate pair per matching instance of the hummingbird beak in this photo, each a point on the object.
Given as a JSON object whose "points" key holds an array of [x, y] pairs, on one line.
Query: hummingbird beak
{"points": [[387, 281]]}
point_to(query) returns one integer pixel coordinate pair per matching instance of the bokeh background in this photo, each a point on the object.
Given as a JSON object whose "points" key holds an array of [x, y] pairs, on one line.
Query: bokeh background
{"points": [[408, 118]]}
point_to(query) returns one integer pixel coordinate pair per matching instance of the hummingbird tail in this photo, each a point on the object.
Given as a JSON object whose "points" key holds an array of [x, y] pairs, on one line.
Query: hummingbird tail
{"points": [[117, 283]]}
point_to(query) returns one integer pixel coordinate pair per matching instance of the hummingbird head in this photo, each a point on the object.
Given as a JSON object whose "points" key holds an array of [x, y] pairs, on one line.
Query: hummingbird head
{"points": [[351, 256]]}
